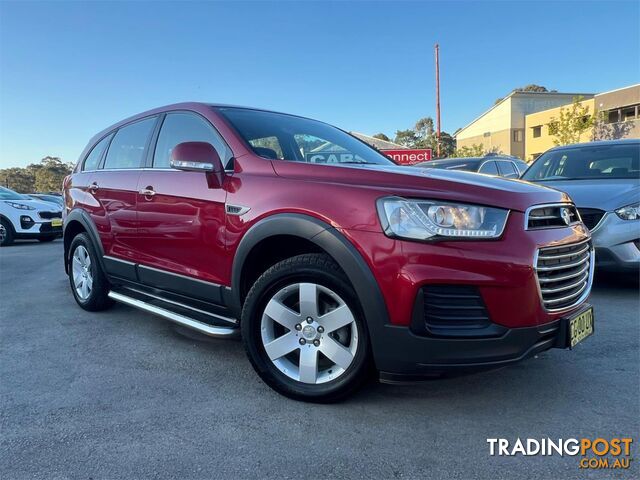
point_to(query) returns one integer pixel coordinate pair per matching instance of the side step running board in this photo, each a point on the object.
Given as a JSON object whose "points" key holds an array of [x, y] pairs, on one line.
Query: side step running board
{"points": [[210, 330]]}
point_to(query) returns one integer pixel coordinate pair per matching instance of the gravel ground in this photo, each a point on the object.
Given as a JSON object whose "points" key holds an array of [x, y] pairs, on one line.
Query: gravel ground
{"points": [[121, 394]]}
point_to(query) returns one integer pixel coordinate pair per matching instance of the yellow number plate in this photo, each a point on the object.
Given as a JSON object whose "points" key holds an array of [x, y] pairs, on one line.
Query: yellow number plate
{"points": [[580, 327], [56, 222]]}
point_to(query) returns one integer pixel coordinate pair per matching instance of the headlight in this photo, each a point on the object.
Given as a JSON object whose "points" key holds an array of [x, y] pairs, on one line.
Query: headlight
{"points": [[20, 206], [428, 219], [630, 212]]}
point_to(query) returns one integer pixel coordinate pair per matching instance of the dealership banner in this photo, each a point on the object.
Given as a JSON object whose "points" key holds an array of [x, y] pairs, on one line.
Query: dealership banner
{"points": [[409, 156]]}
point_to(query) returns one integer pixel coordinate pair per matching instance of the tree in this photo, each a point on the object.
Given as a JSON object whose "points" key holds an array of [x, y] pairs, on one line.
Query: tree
{"points": [[18, 179], [406, 138], [573, 122], [382, 136], [472, 151], [532, 87], [45, 176]]}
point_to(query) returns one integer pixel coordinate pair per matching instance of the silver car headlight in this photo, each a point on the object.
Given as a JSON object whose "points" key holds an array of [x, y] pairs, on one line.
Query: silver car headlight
{"points": [[430, 219], [630, 212], [20, 206]]}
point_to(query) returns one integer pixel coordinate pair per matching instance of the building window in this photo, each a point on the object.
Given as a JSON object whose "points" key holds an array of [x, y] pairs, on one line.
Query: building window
{"points": [[537, 131], [629, 113], [517, 135], [613, 116]]}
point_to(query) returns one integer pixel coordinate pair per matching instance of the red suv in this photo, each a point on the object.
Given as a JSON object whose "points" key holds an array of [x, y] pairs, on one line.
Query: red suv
{"points": [[327, 258]]}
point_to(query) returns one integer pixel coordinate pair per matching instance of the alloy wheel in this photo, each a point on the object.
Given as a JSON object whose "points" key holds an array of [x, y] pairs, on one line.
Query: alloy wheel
{"points": [[309, 333], [82, 272], [3, 233]]}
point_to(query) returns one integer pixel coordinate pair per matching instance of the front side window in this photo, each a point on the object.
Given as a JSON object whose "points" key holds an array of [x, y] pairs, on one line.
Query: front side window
{"points": [[93, 159], [128, 145], [588, 162], [489, 168], [286, 137], [186, 127]]}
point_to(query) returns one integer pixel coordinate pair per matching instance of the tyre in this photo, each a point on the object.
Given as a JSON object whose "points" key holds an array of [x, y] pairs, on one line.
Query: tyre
{"points": [[304, 332], [89, 284], [6, 233], [46, 239]]}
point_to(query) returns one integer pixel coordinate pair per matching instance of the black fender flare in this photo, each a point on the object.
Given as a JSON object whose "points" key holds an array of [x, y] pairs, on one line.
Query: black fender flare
{"points": [[332, 241], [89, 226]]}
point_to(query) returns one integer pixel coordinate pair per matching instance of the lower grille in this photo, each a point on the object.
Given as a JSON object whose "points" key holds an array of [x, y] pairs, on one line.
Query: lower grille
{"points": [[50, 215], [591, 217], [454, 306], [565, 274]]}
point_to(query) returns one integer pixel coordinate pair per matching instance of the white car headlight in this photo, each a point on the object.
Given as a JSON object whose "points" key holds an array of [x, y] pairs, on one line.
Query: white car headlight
{"points": [[630, 212], [20, 206], [430, 219]]}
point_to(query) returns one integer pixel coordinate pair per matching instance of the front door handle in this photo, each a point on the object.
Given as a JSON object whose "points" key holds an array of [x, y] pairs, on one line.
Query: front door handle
{"points": [[93, 187], [148, 192]]}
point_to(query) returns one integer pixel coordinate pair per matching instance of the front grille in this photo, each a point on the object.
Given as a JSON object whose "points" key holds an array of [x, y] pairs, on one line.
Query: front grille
{"points": [[50, 215], [551, 216], [564, 274], [454, 306], [591, 217]]}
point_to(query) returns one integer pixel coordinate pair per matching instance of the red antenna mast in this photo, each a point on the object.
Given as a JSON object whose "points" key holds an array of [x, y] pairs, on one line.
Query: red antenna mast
{"points": [[437, 48]]}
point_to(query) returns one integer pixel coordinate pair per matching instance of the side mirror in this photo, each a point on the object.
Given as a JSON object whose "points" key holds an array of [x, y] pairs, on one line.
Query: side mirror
{"points": [[198, 157]]}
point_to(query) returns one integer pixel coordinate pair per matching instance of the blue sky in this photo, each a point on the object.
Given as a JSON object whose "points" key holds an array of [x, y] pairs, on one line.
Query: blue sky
{"points": [[67, 70]]}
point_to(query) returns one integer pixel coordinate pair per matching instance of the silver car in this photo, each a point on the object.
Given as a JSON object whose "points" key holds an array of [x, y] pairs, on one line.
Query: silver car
{"points": [[603, 179]]}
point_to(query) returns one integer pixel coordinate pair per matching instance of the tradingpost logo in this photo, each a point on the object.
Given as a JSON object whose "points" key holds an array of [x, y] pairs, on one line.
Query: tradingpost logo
{"points": [[594, 453]]}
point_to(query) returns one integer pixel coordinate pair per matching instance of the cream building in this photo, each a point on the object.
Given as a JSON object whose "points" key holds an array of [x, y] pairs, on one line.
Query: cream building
{"points": [[618, 112], [502, 127]]}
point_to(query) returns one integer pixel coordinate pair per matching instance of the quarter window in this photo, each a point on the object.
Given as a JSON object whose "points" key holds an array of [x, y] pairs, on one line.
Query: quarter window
{"points": [[508, 170], [186, 127], [93, 159], [128, 145], [490, 168]]}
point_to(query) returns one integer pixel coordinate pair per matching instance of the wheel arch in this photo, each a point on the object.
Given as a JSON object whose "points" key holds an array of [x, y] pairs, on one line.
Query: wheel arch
{"points": [[323, 238], [79, 221]]}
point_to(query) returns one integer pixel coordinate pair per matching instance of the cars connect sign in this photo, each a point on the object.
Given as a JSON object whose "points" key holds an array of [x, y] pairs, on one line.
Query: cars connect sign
{"points": [[408, 156]]}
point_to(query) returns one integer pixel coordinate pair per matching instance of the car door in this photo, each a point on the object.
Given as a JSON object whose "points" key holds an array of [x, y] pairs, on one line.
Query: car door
{"points": [[115, 189], [507, 169], [181, 219]]}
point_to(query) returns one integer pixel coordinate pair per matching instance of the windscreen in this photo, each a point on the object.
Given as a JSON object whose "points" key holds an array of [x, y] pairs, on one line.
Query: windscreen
{"points": [[588, 162], [277, 136]]}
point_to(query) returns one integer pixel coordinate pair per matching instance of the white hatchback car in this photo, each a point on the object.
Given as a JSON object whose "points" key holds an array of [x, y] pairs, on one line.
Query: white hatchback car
{"points": [[24, 217]]}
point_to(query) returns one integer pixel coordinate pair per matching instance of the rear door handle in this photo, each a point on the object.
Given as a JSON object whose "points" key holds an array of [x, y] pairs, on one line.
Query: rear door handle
{"points": [[148, 192], [93, 187]]}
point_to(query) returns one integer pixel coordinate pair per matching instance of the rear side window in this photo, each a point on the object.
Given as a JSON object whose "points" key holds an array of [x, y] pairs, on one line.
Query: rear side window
{"points": [[128, 144], [507, 169], [186, 127], [490, 168], [93, 159]]}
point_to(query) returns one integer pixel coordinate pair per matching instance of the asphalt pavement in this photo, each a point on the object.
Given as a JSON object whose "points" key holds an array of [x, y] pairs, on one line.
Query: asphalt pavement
{"points": [[122, 394]]}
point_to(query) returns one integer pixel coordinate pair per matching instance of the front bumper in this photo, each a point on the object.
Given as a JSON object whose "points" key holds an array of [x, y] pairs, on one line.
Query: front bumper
{"points": [[616, 243], [38, 229], [409, 357], [502, 272]]}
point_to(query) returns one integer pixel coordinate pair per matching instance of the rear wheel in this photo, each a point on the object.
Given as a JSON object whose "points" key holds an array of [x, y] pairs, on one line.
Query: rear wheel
{"points": [[6, 233], [89, 284], [304, 332]]}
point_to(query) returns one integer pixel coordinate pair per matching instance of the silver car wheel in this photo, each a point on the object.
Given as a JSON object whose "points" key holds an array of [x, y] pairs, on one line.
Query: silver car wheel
{"points": [[309, 333], [3, 233], [82, 272]]}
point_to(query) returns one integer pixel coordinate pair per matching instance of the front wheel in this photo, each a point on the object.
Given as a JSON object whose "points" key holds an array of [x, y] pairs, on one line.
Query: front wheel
{"points": [[6, 233], [304, 332], [89, 284]]}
